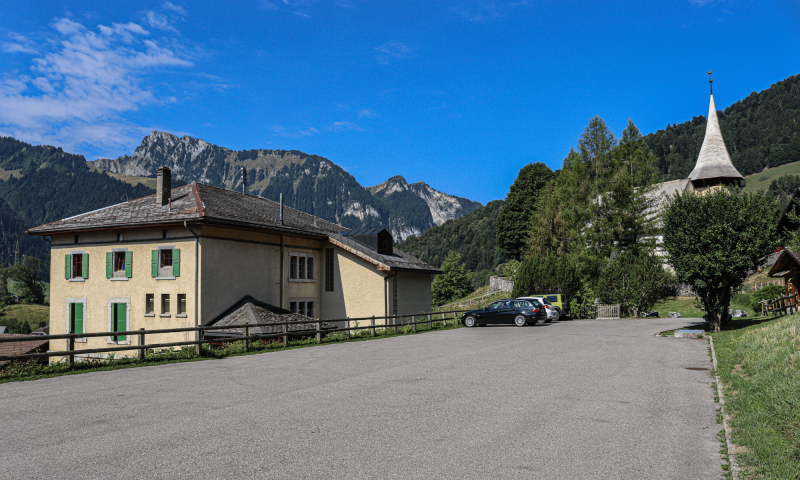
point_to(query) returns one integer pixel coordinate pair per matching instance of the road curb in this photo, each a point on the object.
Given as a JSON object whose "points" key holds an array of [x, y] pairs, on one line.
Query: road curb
{"points": [[725, 425]]}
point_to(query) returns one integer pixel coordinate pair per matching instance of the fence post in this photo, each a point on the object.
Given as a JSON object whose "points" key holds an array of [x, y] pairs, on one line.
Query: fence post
{"points": [[199, 347], [430, 322], [71, 347], [319, 332], [285, 337], [246, 334], [444, 320], [414, 323], [394, 322], [373, 325], [141, 345]]}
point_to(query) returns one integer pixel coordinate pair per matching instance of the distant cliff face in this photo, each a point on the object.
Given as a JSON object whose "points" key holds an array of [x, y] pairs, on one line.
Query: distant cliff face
{"points": [[309, 183], [415, 208]]}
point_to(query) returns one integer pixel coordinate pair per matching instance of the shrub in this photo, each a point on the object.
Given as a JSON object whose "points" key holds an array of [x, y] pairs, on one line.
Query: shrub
{"points": [[770, 291]]}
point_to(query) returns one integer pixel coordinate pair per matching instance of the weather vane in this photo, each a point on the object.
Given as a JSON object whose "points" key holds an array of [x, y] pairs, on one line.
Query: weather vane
{"points": [[711, 81]]}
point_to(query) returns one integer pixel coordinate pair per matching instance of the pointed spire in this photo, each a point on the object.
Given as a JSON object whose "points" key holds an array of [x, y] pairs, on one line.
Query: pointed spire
{"points": [[713, 161]]}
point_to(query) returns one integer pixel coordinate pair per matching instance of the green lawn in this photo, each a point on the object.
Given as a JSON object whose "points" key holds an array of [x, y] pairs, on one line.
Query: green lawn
{"points": [[33, 314], [759, 365], [683, 305], [761, 180]]}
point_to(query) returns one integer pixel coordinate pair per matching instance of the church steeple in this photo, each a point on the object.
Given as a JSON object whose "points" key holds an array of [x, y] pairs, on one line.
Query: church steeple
{"points": [[714, 165]]}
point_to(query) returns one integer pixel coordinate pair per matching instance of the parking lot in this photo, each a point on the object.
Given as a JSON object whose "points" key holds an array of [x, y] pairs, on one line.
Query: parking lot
{"points": [[580, 399]]}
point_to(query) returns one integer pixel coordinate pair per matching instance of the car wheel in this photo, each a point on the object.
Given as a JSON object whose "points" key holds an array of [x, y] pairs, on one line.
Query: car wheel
{"points": [[520, 321], [469, 321]]}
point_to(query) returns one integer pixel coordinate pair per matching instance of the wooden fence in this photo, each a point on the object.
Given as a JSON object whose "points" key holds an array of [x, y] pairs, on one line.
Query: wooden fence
{"points": [[142, 346], [781, 305]]}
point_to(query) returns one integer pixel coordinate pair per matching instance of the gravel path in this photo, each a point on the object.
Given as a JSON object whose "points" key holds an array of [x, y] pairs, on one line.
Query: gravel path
{"points": [[584, 399]]}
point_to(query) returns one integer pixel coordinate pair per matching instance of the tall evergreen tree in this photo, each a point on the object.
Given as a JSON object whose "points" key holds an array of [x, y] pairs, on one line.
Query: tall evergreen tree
{"points": [[453, 283], [513, 223]]}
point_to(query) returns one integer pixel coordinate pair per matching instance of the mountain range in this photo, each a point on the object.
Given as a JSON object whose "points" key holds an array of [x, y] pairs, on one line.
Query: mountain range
{"points": [[309, 183]]}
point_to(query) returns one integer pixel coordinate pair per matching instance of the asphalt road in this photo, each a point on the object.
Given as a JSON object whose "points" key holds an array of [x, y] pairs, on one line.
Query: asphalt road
{"points": [[584, 399]]}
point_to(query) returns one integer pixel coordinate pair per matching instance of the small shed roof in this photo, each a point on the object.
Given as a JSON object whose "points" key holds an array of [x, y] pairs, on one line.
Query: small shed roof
{"points": [[787, 262], [248, 310], [20, 348]]}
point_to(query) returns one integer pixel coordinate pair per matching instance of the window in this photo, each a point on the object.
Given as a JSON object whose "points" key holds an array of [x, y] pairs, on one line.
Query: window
{"points": [[293, 307], [77, 239], [292, 266], [76, 266], [149, 304], [495, 306], [165, 304], [310, 309], [119, 237], [181, 304], [301, 267], [166, 263], [119, 320], [119, 264], [76, 317], [552, 298], [303, 306], [328, 269], [164, 234]]}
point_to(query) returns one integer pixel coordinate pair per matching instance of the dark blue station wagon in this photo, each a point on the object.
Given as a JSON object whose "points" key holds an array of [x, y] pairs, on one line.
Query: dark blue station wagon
{"points": [[510, 311]]}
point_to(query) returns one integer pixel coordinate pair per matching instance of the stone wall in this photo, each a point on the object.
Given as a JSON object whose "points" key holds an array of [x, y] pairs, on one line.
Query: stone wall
{"points": [[499, 283]]}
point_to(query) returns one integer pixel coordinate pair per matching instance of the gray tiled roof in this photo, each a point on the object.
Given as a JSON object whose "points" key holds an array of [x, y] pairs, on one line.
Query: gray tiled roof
{"points": [[251, 311], [211, 205], [400, 260], [191, 203]]}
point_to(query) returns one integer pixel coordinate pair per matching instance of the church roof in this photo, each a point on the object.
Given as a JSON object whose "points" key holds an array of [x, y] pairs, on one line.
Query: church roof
{"points": [[713, 161]]}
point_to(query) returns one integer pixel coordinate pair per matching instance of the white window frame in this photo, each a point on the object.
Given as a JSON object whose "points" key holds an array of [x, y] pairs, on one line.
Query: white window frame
{"points": [[76, 300], [304, 299], [111, 301], [79, 278], [307, 256]]}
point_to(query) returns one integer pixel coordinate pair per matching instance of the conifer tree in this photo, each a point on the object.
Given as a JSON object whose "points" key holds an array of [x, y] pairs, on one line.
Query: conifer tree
{"points": [[453, 283], [513, 222]]}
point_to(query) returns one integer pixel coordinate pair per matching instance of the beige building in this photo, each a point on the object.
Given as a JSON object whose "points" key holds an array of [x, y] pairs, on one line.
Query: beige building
{"points": [[183, 256]]}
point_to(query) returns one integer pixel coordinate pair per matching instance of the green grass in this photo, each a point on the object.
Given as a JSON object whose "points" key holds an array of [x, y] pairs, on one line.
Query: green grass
{"points": [[33, 314], [683, 305], [134, 180], [477, 293], [30, 370], [759, 365], [761, 180]]}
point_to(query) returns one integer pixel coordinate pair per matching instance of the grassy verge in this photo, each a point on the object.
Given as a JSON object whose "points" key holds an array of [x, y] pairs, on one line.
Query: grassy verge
{"points": [[20, 313], [30, 370], [683, 305], [759, 365]]}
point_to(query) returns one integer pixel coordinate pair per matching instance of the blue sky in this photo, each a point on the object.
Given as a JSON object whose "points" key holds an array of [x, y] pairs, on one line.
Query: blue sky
{"points": [[460, 95]]}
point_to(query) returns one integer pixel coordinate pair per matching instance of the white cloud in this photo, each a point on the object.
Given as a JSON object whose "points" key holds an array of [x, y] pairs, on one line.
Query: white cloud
{"points": [[82, 83], [368, 113], [159, 21], [480, 12], [392, 51], [344, 126], [701, 3], [18, 44], [280, 131], [174, 8]]}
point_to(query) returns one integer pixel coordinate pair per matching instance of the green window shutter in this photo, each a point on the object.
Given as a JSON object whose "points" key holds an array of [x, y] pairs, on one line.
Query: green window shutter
{"points": [[67, 262], [77, 318], [85, 265], [120, 323], [154, 270], [109, 266], [176, 262], [128, 264]]}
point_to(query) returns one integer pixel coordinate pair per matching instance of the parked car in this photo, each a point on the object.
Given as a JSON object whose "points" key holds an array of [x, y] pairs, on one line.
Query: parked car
{"points": [[552, 312], [559, 301], [508, 311]]}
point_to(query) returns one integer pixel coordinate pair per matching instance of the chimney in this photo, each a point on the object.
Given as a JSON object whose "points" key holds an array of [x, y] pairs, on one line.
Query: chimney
{"points": [[163, 186]]}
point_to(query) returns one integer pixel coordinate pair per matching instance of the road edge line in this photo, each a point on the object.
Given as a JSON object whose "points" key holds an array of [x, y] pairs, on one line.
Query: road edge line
{"points": [[728, 431]]}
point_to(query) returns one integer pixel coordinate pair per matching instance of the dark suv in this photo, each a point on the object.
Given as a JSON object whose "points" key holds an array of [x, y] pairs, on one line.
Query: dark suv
{"points": [[509, 311]]}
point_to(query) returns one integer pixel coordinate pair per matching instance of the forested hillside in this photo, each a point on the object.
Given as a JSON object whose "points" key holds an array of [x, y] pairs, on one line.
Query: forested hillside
{"points": [[44, 184], [761, 131], [473, 236]]}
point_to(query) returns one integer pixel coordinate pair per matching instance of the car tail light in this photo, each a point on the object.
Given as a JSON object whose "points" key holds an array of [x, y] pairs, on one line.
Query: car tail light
{"points": [[535, 310], [547, 307]]}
